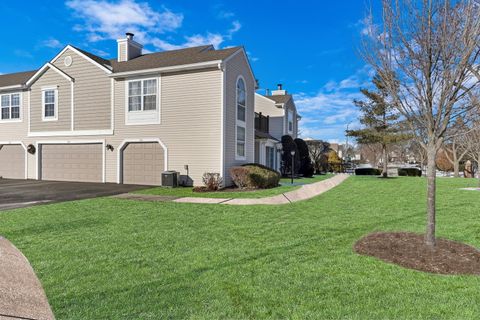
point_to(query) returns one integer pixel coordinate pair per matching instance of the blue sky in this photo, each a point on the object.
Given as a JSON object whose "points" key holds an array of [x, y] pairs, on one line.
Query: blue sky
{"points": [[309, 46]]}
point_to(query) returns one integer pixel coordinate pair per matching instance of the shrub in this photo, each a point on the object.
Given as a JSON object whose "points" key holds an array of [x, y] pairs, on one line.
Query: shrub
{"points": [[254, 176], [368, 172], [409, 172], [212, 181], [262, 178], [305, 162], [261, 166], [240, 176], [288, 145]]}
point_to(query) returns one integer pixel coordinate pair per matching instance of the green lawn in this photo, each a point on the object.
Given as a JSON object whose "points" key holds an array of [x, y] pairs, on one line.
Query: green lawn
{"points": [[121, 259], [188, 192]]}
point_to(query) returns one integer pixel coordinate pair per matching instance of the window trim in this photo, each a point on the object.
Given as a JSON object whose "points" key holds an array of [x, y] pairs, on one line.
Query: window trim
{"points": [[240, 123], [142, 117], [55, 90], [20, 106], [290, 112]]}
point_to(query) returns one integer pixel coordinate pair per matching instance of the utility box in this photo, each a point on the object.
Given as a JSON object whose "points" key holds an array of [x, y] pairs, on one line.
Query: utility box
{"points": [[170, 179]]}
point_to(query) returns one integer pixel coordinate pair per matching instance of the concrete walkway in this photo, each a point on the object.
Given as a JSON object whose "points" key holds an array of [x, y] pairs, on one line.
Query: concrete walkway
{"points": [[305, 192], [21, 294]]}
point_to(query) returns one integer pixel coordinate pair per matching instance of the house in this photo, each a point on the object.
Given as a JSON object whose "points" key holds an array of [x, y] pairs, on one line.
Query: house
{"points": [[275, 116], [84, 118]]}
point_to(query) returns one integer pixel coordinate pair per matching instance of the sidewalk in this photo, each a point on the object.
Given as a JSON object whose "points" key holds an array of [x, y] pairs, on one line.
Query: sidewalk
{"points": [[22, 295], [305, 192]]}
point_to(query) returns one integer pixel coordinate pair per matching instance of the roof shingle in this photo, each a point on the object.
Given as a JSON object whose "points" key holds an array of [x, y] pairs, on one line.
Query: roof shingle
{"points": [[280, 98], [143, 62], [13, 79]]}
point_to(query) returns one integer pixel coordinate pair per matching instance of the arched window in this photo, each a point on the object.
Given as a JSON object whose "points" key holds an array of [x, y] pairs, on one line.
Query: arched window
{"points": [[241, 105]]}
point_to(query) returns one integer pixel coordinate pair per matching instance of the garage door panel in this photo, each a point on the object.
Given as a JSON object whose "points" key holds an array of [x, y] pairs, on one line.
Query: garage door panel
{"points": [[72, 162], [12, 161], [143, 163]]}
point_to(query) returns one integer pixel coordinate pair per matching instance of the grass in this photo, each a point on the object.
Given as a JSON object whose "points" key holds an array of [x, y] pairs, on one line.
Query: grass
{"points": [[188, 192], [122, 259]]}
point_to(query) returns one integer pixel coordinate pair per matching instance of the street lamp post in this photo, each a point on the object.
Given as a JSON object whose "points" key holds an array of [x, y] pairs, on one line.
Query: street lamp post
{"points": [[293, 163]]}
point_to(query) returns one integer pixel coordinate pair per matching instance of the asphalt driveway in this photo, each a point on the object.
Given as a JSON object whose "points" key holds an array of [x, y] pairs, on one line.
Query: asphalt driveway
{"points": [[25, 193]]}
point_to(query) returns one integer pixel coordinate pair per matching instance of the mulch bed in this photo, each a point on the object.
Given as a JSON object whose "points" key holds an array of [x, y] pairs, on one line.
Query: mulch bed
{"points": [[409, 250]]}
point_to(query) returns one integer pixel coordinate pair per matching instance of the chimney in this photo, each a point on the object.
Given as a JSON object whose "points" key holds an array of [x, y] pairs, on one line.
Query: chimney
{"points": [[128, 48], [279, 91]]}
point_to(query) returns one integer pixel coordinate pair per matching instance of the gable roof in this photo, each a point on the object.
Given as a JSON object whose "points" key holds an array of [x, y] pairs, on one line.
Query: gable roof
{"points": [[149, 61], [172, 58], [19, 78], [97, 59], [280, 98]]}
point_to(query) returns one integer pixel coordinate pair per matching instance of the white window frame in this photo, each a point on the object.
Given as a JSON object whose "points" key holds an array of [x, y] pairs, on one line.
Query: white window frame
{"points": [[55, 117], [239, 123], [20, 118], [290, 120], [142, 117]]}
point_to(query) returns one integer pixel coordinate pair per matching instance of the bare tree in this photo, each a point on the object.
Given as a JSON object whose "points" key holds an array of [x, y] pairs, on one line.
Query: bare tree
{"points": [[318, 150], [455, 150], [425, 51]]}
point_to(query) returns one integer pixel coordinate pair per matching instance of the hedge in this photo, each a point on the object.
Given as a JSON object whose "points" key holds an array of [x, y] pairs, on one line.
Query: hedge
{"points": [[368, 172], [409, 172], [254, 176]]}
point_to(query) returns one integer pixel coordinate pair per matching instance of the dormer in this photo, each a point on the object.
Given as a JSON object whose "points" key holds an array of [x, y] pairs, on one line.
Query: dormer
{"points": [[128, 49]]}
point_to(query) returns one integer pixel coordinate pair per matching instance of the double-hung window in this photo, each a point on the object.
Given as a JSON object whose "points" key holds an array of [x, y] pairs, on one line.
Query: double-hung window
{"points": [[241, 106], [50, 103], [142, 95], [10, 106]]}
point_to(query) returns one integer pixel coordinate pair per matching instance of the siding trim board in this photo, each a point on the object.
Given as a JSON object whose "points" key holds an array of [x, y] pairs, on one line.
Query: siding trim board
{"points": [[183, 67], [38, 146], [69, 47], [46, 66], [107, 132], [125, 143], [24, 149]]}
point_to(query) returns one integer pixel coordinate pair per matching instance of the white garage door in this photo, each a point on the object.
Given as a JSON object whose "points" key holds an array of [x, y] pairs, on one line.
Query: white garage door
{"points": [[72, 162], [12, 161]]}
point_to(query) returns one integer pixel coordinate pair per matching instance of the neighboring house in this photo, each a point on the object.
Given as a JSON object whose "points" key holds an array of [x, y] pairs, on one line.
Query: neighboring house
{"points": [[126, 120], [276, 115]]}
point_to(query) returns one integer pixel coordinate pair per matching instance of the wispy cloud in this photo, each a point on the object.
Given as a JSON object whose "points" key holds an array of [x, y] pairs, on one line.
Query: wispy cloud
{"points": [[106, 19], [52, 43], [23, 54], [327, 112]]}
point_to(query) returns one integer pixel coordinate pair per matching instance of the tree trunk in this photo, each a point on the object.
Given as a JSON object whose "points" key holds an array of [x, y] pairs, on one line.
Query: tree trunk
{"points": [[431, 192], [385, 162], [456, 168]]}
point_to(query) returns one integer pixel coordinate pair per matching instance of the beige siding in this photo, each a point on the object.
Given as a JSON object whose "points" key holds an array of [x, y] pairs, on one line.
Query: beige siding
{"points": [[92, 92], [291, 106], [267, 107], [190, 115], [16, 131], [238, 66], [122, 52], [12, 161], [48, 79], [277, 127]]}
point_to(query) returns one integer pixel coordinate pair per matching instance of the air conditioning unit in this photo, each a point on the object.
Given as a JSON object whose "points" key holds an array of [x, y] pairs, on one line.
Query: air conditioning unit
{"points": [[170, 179]]}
